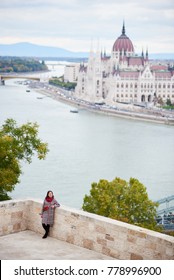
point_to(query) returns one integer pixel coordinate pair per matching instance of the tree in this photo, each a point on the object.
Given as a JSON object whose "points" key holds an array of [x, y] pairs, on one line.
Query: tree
{"points": [[121, 200], [17, 143], [168, 102]]}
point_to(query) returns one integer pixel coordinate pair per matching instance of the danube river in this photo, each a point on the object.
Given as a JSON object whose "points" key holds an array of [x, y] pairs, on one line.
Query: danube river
{"points": [[86, 147]]}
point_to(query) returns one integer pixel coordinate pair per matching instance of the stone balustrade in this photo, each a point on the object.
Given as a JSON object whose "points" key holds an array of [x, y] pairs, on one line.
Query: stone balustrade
{"points": [[110, 237]]}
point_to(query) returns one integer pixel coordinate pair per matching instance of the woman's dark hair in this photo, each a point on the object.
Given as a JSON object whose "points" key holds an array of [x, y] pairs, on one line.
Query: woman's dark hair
{"points": [[48, 193]]}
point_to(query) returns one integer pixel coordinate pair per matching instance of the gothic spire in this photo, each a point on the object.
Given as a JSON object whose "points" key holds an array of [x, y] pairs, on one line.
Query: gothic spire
{"points": [[147, 53], [123, 29], [142, 54]]}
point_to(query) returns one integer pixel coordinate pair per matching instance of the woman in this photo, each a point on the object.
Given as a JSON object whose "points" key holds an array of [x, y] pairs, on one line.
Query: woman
{"points": [[47, 213]]}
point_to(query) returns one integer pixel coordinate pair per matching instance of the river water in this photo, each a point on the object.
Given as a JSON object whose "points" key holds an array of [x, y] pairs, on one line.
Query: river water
{"points": [[86, 147]]}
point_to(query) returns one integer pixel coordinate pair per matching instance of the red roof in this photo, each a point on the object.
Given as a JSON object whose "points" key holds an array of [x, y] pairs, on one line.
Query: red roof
{"points": [[123, 43], [158, 67], [127, 74], [165, 74], [135, 61]]}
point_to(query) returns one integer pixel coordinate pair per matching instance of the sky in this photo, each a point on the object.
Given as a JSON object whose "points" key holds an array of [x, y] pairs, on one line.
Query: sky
{"points": [[74, 24]]}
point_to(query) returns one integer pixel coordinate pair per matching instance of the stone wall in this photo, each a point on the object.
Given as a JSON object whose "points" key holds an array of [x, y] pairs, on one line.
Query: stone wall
{"points": [[110, 237], [13, 216]]}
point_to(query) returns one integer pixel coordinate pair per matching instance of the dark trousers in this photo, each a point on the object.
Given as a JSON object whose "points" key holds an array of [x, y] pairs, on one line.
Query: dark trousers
{"points": [[46, 228]]}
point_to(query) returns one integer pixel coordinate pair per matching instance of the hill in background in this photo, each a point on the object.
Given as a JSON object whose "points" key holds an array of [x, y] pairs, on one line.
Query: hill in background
{"points": [[32, 50]]}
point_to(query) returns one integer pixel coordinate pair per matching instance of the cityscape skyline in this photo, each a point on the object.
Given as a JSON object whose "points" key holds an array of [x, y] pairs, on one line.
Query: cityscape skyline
{"points": [[72, 24]]}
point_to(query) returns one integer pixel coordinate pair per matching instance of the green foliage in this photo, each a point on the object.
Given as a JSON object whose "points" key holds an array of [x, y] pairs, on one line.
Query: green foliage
{"points": [[20, 65], [168, 102], [67, 85], [17, 143], [169, 105], [121, 200]]}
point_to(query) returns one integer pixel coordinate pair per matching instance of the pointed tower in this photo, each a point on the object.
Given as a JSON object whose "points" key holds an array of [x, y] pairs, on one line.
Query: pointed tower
{"points": [[123, 29], [142, 54], [98, 60], [91, 60], [147, 55], [121, 49]]}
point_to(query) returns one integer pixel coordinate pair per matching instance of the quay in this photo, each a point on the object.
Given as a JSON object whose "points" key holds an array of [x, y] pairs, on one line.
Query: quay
{"points": [[64, 96]]}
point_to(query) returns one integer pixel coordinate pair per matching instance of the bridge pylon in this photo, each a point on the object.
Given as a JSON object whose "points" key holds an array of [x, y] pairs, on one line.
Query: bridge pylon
{"points": [[2, 81]]}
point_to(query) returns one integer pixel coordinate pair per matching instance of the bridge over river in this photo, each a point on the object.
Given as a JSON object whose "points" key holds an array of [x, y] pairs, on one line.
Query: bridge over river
{"points": [[7, 77], [165, 215], [168, 208]]}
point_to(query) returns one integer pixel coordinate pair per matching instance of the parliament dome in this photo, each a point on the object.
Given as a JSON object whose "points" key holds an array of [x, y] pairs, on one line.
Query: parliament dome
{"points": [[123, 43]]}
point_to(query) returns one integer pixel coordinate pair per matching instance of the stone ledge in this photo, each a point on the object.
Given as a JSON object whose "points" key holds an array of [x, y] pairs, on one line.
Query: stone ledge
{"points": [[101, 234]]}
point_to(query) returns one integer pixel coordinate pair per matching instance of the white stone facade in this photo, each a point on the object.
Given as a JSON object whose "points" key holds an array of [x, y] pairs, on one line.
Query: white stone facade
{"points": [[71, 73], [124, 77]]}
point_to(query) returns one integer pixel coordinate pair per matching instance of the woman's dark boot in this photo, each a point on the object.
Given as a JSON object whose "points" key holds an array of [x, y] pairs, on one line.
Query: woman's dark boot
{"points": [[46, 228]]}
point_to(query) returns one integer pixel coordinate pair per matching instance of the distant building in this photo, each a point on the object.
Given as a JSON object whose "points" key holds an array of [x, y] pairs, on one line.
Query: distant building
{"points": [[71, 73], [124, 76]]}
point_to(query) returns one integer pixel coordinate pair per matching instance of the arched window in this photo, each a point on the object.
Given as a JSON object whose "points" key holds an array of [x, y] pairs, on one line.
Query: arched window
{"points": [[149, 98], [143, 98]]}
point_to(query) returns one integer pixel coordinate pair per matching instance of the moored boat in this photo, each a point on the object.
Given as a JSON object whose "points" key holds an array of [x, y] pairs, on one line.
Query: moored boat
{"points": [[74, 111]]}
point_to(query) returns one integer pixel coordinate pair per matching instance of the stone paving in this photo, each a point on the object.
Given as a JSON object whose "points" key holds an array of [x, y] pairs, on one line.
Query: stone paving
{"points": [[28, 245]]}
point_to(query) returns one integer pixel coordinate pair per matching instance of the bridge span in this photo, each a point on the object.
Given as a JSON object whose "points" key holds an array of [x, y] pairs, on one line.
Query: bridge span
{"points": [[7, 77], [166, 215], [166, 201]]}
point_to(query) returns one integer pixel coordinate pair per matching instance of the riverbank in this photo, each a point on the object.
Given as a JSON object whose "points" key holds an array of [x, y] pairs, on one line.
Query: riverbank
{"points": [[127, 111]]}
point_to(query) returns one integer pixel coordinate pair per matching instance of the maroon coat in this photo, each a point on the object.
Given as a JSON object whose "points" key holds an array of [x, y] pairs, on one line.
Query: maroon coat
{"points": [[48, 212]]}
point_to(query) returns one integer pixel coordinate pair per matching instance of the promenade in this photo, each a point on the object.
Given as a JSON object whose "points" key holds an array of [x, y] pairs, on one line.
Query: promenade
{"points": [[128, 111]]}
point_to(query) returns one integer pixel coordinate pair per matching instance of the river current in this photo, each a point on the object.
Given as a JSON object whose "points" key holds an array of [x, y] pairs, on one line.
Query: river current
{"points": [[86, 147]]}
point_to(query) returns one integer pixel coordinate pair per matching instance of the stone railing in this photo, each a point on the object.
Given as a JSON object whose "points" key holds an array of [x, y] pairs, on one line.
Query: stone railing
{"points": [[110, 237]]}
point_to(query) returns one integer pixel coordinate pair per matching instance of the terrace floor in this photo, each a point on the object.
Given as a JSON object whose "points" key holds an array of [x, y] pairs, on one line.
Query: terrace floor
{"points": [[28, 245]]}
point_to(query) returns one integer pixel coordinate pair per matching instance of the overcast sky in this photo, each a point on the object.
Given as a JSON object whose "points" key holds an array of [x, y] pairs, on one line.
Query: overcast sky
{"points": [[73, 24]]}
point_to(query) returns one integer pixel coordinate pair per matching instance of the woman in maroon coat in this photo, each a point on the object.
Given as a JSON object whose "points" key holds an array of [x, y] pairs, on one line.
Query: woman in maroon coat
{"points": [[47, 213]]}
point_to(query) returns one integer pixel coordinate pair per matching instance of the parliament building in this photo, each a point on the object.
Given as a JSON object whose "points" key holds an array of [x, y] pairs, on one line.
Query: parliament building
{"points": [[124, 76]]}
